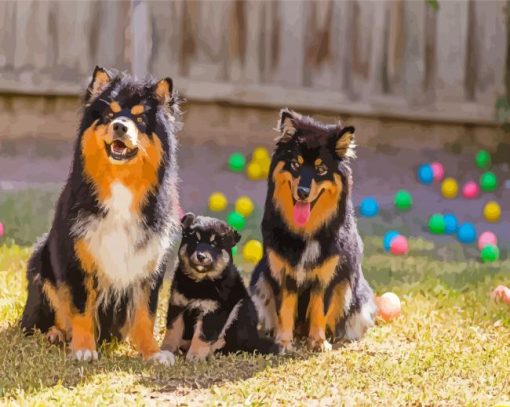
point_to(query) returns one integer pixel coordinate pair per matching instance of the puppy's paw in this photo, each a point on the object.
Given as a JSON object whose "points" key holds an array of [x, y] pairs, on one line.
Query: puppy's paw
{"points": [[197, 355], [85, 355], [284, 340], [55, 336], [163, 357]]}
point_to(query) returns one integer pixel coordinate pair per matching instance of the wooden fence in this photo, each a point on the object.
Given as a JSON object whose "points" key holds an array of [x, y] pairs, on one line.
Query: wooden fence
{"points": [[379, 58]]}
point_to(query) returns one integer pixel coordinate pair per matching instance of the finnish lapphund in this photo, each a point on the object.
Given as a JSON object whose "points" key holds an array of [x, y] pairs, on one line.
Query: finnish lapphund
{"points": [[210, 308], [97, 273], [310, 278]]}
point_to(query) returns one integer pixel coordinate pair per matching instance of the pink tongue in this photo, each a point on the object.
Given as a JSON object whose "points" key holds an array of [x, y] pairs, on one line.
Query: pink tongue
{"points": [[301, 213]]}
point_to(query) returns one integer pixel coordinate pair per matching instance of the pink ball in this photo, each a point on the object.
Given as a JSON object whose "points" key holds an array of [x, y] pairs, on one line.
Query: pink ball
{"points": [[1, 229], [487, 238], [399, 245], [438, 170], [471, 190]]}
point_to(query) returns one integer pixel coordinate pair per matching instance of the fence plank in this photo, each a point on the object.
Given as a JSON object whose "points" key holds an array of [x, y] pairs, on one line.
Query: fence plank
{"points": [[7, 41], [451, 50]]}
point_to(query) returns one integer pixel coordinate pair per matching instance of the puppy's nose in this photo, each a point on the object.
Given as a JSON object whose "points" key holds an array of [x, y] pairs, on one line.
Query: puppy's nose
{"points": [[119, 129], [303, 192], [201, 257]]}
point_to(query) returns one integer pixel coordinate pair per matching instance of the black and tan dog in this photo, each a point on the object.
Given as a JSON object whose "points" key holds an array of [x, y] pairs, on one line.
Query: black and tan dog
{"points": [[310, 276], [210, 308], [97, 273]]}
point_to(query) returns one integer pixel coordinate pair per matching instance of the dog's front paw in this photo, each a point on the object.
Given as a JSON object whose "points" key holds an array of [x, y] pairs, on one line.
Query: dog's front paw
{"points": [[163, 357], [284, 340], [197, 354], [85, 355], [319, 345], [56, 336]]}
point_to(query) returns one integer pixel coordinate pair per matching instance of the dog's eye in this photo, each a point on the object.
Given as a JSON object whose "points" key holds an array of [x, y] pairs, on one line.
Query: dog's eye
{"points": [[322, 170], [294, 165]]}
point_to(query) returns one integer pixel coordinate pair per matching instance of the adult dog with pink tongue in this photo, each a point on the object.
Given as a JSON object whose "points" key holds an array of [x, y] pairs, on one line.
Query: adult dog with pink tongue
{"points": [[310, 281]]}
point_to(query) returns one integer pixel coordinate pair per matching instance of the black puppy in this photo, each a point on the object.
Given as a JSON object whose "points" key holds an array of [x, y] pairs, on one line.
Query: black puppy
{"points": [[210, 308]]}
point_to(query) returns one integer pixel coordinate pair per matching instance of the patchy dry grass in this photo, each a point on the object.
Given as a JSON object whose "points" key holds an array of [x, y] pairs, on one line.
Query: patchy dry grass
{"points": [[450, 347]]}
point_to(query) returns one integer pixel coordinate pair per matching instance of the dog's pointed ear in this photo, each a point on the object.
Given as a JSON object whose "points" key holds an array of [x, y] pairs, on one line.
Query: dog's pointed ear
{"points": [[101, 78], [286, 126], [187, 220], [236, 236], [163, 91], [345, 146]]}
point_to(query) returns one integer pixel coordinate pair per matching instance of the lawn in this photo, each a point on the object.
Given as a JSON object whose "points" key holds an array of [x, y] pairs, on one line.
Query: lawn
{"points": [[450, 347]]}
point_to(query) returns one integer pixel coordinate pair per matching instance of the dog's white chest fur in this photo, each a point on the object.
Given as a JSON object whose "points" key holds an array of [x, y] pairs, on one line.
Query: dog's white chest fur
{"points": [[123, 249], [309, 255]]}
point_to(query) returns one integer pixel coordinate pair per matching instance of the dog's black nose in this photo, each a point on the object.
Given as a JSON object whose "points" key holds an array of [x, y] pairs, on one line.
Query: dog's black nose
{"points": [[303, 192], [119, 129], [201, 256]]}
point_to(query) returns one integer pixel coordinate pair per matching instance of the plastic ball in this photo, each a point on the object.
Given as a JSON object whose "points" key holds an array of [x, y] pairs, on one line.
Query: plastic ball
{"points": [[244, 206], [254, 171], [489, 253], [236, 162], [487, 238], [438, 171], [501, 293], [492, 211], [217, 202], [437, 224], [425, 174], [260, 153], [467, 233], [449, 188], [388, 238], [403, 200], [470, 190], [488, 181], [253, 251], [389, 306], [236, 220], [234, 250], [450, 223], [265, 164], [399, 245], [2, 229], [483, 159], [369, 207]]}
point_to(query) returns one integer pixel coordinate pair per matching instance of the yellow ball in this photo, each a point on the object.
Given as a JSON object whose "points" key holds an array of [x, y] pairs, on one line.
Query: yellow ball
{"points": [[264, 165], [244, 206], [253, 251], [492, 211], [449, 188], [218, 202], [260, 153], [254, 171]]}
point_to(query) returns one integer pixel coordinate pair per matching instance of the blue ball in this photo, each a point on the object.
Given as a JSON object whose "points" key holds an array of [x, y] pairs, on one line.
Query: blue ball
{"points": [[467, 233], [368, 207], [450, 223], [388, 238], [426, 174]]}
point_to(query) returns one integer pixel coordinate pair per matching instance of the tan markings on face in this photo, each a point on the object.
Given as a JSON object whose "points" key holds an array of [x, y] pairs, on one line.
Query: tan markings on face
{"points": [[300, 160], [318, 162], [115, 107], [139, 174], [137, 109], [325, 195]]}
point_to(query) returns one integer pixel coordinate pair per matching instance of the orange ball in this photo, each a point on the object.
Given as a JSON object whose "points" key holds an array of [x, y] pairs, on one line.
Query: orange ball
{"points": [[389, 306]]}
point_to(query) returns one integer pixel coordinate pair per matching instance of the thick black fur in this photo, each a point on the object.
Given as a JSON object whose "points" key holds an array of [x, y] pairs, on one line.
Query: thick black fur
{"points": [[219, 283], [54, 259]]}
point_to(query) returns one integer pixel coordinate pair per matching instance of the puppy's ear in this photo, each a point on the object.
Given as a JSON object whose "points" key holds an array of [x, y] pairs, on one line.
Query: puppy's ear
{"points": [[187, 220], [101, 78], [163, 91], [286, 126], [345, 144], [237, 236]]}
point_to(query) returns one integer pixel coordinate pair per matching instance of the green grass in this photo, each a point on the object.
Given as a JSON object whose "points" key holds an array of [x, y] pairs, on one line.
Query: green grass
{"points": [[450, 347]]}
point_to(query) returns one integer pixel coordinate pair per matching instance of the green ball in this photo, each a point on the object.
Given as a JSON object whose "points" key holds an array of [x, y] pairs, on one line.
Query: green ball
{"points": [[403, 200], [234, 250], [489, 253], [236, 162], [236, 220], [488, 181], [483, 159], [437, 224]]}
